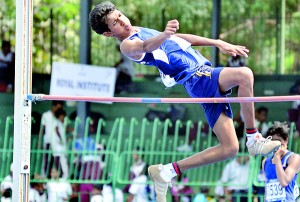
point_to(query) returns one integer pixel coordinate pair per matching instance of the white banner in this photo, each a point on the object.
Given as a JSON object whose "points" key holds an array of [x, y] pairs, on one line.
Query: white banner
{"points": [[82, 80]]}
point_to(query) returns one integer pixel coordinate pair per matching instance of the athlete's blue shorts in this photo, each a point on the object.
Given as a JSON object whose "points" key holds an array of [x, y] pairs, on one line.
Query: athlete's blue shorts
{"points": [[205, 84]]}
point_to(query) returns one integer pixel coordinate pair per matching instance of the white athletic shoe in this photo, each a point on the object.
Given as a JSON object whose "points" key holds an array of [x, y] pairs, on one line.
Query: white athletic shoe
{"points": [[160, 185], [263, 146]]}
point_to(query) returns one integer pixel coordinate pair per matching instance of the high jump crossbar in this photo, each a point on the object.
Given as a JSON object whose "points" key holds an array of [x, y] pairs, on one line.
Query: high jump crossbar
{"points": [[42, 97]]}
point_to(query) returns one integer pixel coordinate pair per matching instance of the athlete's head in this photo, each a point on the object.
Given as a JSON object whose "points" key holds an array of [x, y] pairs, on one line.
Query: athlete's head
{"points": [[98, 16], [107, 20], [279, 131]]}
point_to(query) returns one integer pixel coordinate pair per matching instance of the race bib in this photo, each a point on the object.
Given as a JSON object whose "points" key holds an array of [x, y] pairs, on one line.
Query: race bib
{"points": [[274, 191]]}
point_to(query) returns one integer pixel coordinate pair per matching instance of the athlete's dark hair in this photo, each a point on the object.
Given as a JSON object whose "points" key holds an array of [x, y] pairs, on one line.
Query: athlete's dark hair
{"points": [[280, 129], [98, 16]]}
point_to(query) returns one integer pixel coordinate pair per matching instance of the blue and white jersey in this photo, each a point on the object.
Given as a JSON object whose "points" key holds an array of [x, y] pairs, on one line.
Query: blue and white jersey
{"points": [[274, 191], [175, 59]]}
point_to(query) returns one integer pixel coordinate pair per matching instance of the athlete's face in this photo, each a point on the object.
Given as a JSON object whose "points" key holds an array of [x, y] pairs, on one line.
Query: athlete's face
{"points": [[284, 143], [118, 24]]}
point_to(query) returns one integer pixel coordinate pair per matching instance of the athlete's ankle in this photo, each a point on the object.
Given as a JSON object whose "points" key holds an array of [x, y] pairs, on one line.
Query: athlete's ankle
{"points": [[251, 134], [170, 171]]}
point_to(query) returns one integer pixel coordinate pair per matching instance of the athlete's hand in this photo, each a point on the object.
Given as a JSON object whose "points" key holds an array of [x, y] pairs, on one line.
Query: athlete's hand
{"points": [[279, 153], [171, 28], [231, 49]]}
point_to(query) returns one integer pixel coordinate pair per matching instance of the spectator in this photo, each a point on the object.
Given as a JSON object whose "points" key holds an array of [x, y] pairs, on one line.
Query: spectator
{"points": [[295, 90], [294, 111], [202, 195], [124, 73], [139, 191], [59, 144], [108, 194], [7, 59], [235, 179], [96, 193], [239, 125], [136, 168], [281, 168], [177, 112], [74, 197], [89, 163], [261, 116], [6, 186], [235, 61], [49, 123], [181, 189], [36, 192], [58, 189]]}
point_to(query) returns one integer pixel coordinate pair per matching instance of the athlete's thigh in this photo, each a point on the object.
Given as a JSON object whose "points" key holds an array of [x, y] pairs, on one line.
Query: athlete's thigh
{"points": [[231, 77]]}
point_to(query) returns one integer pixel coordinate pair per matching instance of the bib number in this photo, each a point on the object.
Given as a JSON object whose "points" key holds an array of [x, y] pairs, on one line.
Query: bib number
{"points": [[274, 191]]}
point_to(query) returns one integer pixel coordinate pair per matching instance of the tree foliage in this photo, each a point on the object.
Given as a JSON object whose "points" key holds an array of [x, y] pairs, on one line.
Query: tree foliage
{"points": [[253, 23]]}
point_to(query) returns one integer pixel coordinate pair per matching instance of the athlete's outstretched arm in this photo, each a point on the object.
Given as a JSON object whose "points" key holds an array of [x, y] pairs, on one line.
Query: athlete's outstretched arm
{"points": [[136, 47], [222, 45]]}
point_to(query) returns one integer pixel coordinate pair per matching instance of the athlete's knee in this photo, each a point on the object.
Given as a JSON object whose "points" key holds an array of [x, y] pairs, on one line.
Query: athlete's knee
{"points": [[231, 151], [245, 76]]}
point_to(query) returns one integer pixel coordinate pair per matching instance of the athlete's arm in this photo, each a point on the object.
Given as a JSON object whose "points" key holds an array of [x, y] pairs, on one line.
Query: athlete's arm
{"points": [[136, 47], [286, 176], [222, 45], [263, 169]]}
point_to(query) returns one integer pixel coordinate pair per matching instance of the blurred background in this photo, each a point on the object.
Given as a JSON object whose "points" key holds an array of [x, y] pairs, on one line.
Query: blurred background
{"points": [[101, 149]]}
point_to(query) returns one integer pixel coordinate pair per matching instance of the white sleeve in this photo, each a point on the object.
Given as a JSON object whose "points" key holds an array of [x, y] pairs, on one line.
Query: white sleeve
{"points": [[43, 119], [225, 174], [134, 188]]}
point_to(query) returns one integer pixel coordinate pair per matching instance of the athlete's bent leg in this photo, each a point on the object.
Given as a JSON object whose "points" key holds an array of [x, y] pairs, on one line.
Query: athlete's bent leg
{"points": [[228, 147], [243, 77]]}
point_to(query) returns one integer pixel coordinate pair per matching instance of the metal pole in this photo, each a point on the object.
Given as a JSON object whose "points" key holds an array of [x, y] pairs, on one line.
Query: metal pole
{"points": [[22, 107], [277, 72], [85, 56], [216, 30], [51, 37], [282, 50]]}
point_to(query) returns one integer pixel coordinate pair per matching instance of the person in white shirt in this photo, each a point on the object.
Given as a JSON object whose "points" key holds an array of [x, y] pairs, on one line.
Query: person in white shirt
{"points": [[6, 186], [107, 193], [59, 190], [96, 193], [49, 122], [236, 176], [36, 193], [136, 168], [139, 189], [59, 143], [7, 58]]}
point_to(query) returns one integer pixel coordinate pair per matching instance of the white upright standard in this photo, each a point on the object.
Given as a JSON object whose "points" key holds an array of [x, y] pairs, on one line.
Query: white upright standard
{"points": [[22, 107]]}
